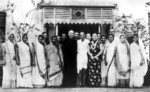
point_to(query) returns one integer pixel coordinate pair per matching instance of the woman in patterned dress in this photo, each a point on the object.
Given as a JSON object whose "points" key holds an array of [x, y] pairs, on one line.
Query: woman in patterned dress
{"points": [[94, 63]]}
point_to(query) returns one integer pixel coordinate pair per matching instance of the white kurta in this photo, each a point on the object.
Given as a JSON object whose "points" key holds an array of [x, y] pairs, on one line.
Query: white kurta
{"points": [[137, 74], [41, 61], [82, 58], [9, 70], [24, 80], [112, 70]]}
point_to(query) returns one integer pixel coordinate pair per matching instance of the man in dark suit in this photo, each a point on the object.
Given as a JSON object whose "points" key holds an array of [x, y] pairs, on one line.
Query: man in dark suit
{"points": [[70, 63]]}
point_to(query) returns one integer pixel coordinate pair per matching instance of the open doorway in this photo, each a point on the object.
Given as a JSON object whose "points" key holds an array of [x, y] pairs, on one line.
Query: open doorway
{"points": [[87, 28]]}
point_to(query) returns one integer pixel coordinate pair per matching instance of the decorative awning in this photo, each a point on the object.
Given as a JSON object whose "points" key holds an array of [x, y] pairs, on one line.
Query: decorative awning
{"points": [[68, 21], [78, 15]]}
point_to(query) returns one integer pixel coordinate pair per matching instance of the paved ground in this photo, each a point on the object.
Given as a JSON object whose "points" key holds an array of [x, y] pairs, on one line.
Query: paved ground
{"points": [[145, 89]]}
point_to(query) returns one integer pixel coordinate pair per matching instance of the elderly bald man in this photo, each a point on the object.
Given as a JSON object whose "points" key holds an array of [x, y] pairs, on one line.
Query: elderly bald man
{"points": [[82, 58], [70, 60]]}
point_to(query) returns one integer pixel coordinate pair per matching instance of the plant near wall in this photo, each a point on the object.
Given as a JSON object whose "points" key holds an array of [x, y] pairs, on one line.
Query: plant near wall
{"points": [[127, 28], [23, 27]]}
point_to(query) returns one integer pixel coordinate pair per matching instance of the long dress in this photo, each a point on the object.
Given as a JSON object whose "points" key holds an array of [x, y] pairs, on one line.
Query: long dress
{"points": [[10, 69], [24, 78], [55, 58], [122, 65], [39, 70], [94, 65], [138, 71], [70, 62], [111, 70]]}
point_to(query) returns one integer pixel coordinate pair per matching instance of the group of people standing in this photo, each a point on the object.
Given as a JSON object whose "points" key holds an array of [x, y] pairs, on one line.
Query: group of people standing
{"points": [[31, 64], [80, 61]]}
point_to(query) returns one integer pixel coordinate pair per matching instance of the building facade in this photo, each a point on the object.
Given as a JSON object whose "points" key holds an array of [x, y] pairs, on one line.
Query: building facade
{"points": [[91, 18]]}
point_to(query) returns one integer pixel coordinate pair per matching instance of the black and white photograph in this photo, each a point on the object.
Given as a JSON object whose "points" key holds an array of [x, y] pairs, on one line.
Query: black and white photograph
{"points": [[74, 45]]}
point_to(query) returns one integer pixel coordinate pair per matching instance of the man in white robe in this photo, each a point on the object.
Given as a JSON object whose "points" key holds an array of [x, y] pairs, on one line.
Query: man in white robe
{"points": [[138, 64], [82, 59]]}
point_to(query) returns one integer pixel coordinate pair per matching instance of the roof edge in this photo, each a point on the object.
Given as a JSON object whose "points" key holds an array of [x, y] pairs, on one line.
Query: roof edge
{"points": [[81, 6]]}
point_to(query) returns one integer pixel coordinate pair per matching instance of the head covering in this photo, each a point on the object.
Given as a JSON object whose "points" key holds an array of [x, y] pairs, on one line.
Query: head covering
{"points": [[12, 31]]}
